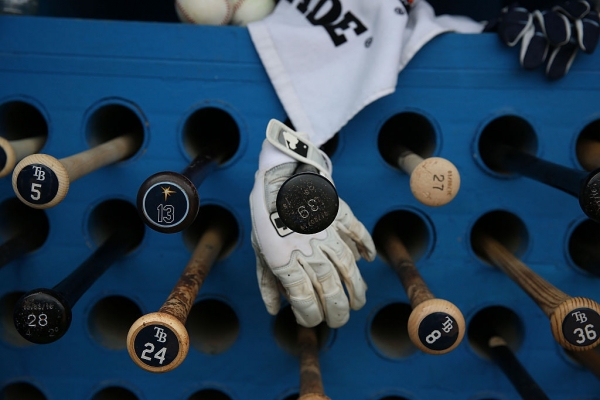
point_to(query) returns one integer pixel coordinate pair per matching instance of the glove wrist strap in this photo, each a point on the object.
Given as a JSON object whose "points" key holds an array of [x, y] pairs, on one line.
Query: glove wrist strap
{"points": [[297, 147]]}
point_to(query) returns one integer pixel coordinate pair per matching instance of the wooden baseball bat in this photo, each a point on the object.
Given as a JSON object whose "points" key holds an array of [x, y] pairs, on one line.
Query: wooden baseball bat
{"points": [[44, 315], [311, 380], [159, 342], [574, 321], [435, 326], [42, 181]]}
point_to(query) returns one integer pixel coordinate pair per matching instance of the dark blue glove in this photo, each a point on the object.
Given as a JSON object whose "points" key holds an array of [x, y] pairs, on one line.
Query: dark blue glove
{"points": [[553, 36]]}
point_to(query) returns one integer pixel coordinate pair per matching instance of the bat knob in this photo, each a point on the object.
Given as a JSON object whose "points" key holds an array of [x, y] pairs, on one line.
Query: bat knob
{"points": [[435, 181], [40, 181], [436, 326], [168, 202], [158, 342], [307, 203], [589, 196], [575, 324], [42, 316]]}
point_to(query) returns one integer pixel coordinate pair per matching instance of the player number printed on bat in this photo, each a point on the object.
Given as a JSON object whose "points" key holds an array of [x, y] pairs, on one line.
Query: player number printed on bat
{"points": [[436, 334], [41, 320], [587, 333], [155, 342], [437, 178], [166, 213]]}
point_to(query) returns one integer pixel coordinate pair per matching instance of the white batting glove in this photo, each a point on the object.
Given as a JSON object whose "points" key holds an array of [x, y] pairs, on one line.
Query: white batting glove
{"points": [[307, 269]]}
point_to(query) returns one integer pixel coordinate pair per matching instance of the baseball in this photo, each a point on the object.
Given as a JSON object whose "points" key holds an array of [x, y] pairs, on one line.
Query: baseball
{"points": [[246, 11], [204, 12]]}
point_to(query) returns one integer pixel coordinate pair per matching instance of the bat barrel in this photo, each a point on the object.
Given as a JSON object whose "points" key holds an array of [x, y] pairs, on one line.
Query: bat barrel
{"points": [[311, 380], [44, 315], [307, 202], [159, 342]]}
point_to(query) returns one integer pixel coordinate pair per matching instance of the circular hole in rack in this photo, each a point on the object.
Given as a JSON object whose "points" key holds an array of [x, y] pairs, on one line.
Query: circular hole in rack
{"points": [[285, 331], [293, 396], [16, 217], [9, 333], [409, 129], [389, 331], [508, 130], [411, 228], [21, 120], [111, 215], [109, 321], [587, 147], [393, 398], [209, 394], [211, 128], [206, 215], [584, 246], [494, 321], [504, 227], [114, 393], [21, 391], [113, 120], [213, 326]]}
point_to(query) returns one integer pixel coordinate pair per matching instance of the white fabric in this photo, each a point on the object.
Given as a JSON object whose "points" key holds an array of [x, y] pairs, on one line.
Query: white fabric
{"points": [[321, 85], [309, 268]]}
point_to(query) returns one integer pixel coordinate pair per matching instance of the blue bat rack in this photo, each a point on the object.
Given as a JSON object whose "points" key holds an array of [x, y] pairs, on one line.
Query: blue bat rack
{"points": [[74, 80]]}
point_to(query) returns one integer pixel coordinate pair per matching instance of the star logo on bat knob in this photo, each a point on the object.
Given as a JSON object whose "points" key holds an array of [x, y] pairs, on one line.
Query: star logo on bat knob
{"points": [[167, 191]]}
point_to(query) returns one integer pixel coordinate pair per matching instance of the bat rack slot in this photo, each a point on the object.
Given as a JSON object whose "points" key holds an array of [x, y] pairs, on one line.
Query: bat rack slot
{"points": [[208, 214], [110, 120], [213, 326], [414, 131], [19, 119], [494, 321], [508, 130], [208, 129], [109, 321], [506, 228], [285, 330], [209, 394], [388, 331], [112, 215], [115, 393], [587, 146], [583, 248], [413, 229], [21, 390]]}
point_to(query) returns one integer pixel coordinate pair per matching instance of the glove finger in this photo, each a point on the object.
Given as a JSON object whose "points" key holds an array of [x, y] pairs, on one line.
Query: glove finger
{"points": [[328, 286], [340, 256], [354, 234], [573, 9], [560, 61], [300, 293], [267, 284], [556, 27], [588, 31], [534, 46], [514, 22]]}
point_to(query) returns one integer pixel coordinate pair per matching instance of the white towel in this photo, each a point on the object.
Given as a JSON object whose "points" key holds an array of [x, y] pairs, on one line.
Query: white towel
{"points": [[328, 59]]}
